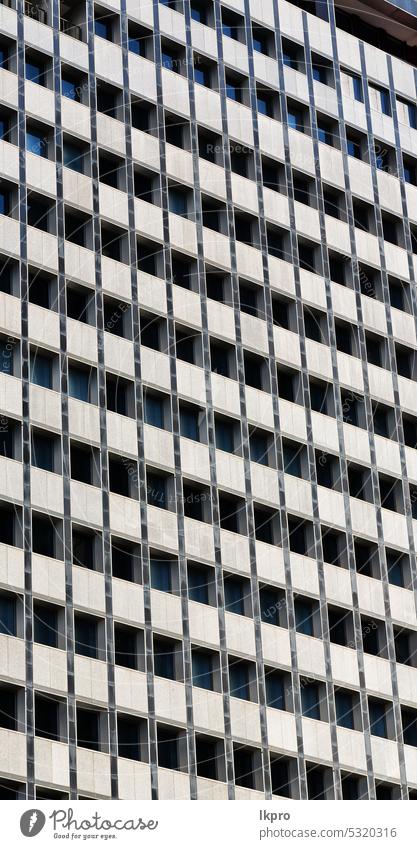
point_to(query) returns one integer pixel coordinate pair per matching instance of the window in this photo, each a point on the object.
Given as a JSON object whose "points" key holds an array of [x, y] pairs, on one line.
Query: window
{"points": [[86, 636], [357, 88], [73, 158], [168, 742], [259, 448], [157, 490], [310, 702], [295, 119], [275, 690], [41, 370], [46, 717], [225, 435], [88, 729], [126, 647], [83, 549], [377, 718], [202, 670], [8, 615], [103, 28], [153, 410], [79, 383], [129, 737], [6, 356], [190, 423], [304, 617], [161, 575], [71, 89], [36, 143], [198, 583], [35, 72], [43, 451], [239, 679], [344, 709], [234, 595], [164, 658]]}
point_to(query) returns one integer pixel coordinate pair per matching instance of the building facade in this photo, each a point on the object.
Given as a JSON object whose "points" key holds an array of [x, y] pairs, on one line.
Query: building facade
{"points": [[208, 431]]}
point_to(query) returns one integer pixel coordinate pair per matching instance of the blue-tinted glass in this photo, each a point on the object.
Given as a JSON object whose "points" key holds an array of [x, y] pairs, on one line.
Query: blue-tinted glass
{"points": [[177, 202], [45, 627], [263, 106], [43, 453], [289, 61], [231, 92], [224, 437], [189, 425], [168, 61], [136, 46], [197, 585], [319, 74], [385, 102], [258, 45], [395, 574], [200, 75], [275, 695], [409, 729], [377, 719], [324, 135], [6, 357], [86, 637], [4, 128], [73, 158], [344, 710], [407, 175], [3, 57], [412, 115], [4, 203], [202, 671], [161, 575], [70, 90], [239, 681], [103, 29], [35, 143], [78, 384], [41, 371], [259, 449], [7, 616], [357, 89], [310, 701], [233, 593], [230, 31], [292, 461], [196, 14], [164, 661], [353, 149], [294, 120], [303, 618], [154, 411], [35, 73], [156, 490]]}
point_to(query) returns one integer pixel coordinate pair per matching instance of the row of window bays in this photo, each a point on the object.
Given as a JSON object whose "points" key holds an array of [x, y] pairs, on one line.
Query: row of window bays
{"points": [[38, 67], [129, 652], [92, 732]]}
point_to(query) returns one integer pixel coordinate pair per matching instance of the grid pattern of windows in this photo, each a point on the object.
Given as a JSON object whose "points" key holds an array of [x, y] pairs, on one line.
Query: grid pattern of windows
{"points": [[208, 413]]}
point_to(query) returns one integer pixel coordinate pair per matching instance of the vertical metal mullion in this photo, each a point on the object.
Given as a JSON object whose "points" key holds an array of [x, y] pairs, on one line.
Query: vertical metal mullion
{"points": [[249, 509], [67, 533], [394, 375], [336, 382], [153, 757], [27, 513], [101, 377], [191, 749], [210, 415]]}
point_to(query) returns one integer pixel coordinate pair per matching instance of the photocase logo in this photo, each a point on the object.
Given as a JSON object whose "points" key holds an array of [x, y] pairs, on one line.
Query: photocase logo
{"points": [[32, 823]]}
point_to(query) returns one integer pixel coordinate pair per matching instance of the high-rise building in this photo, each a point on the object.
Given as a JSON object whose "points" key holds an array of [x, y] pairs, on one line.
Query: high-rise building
{"points": [[208, 399]]}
